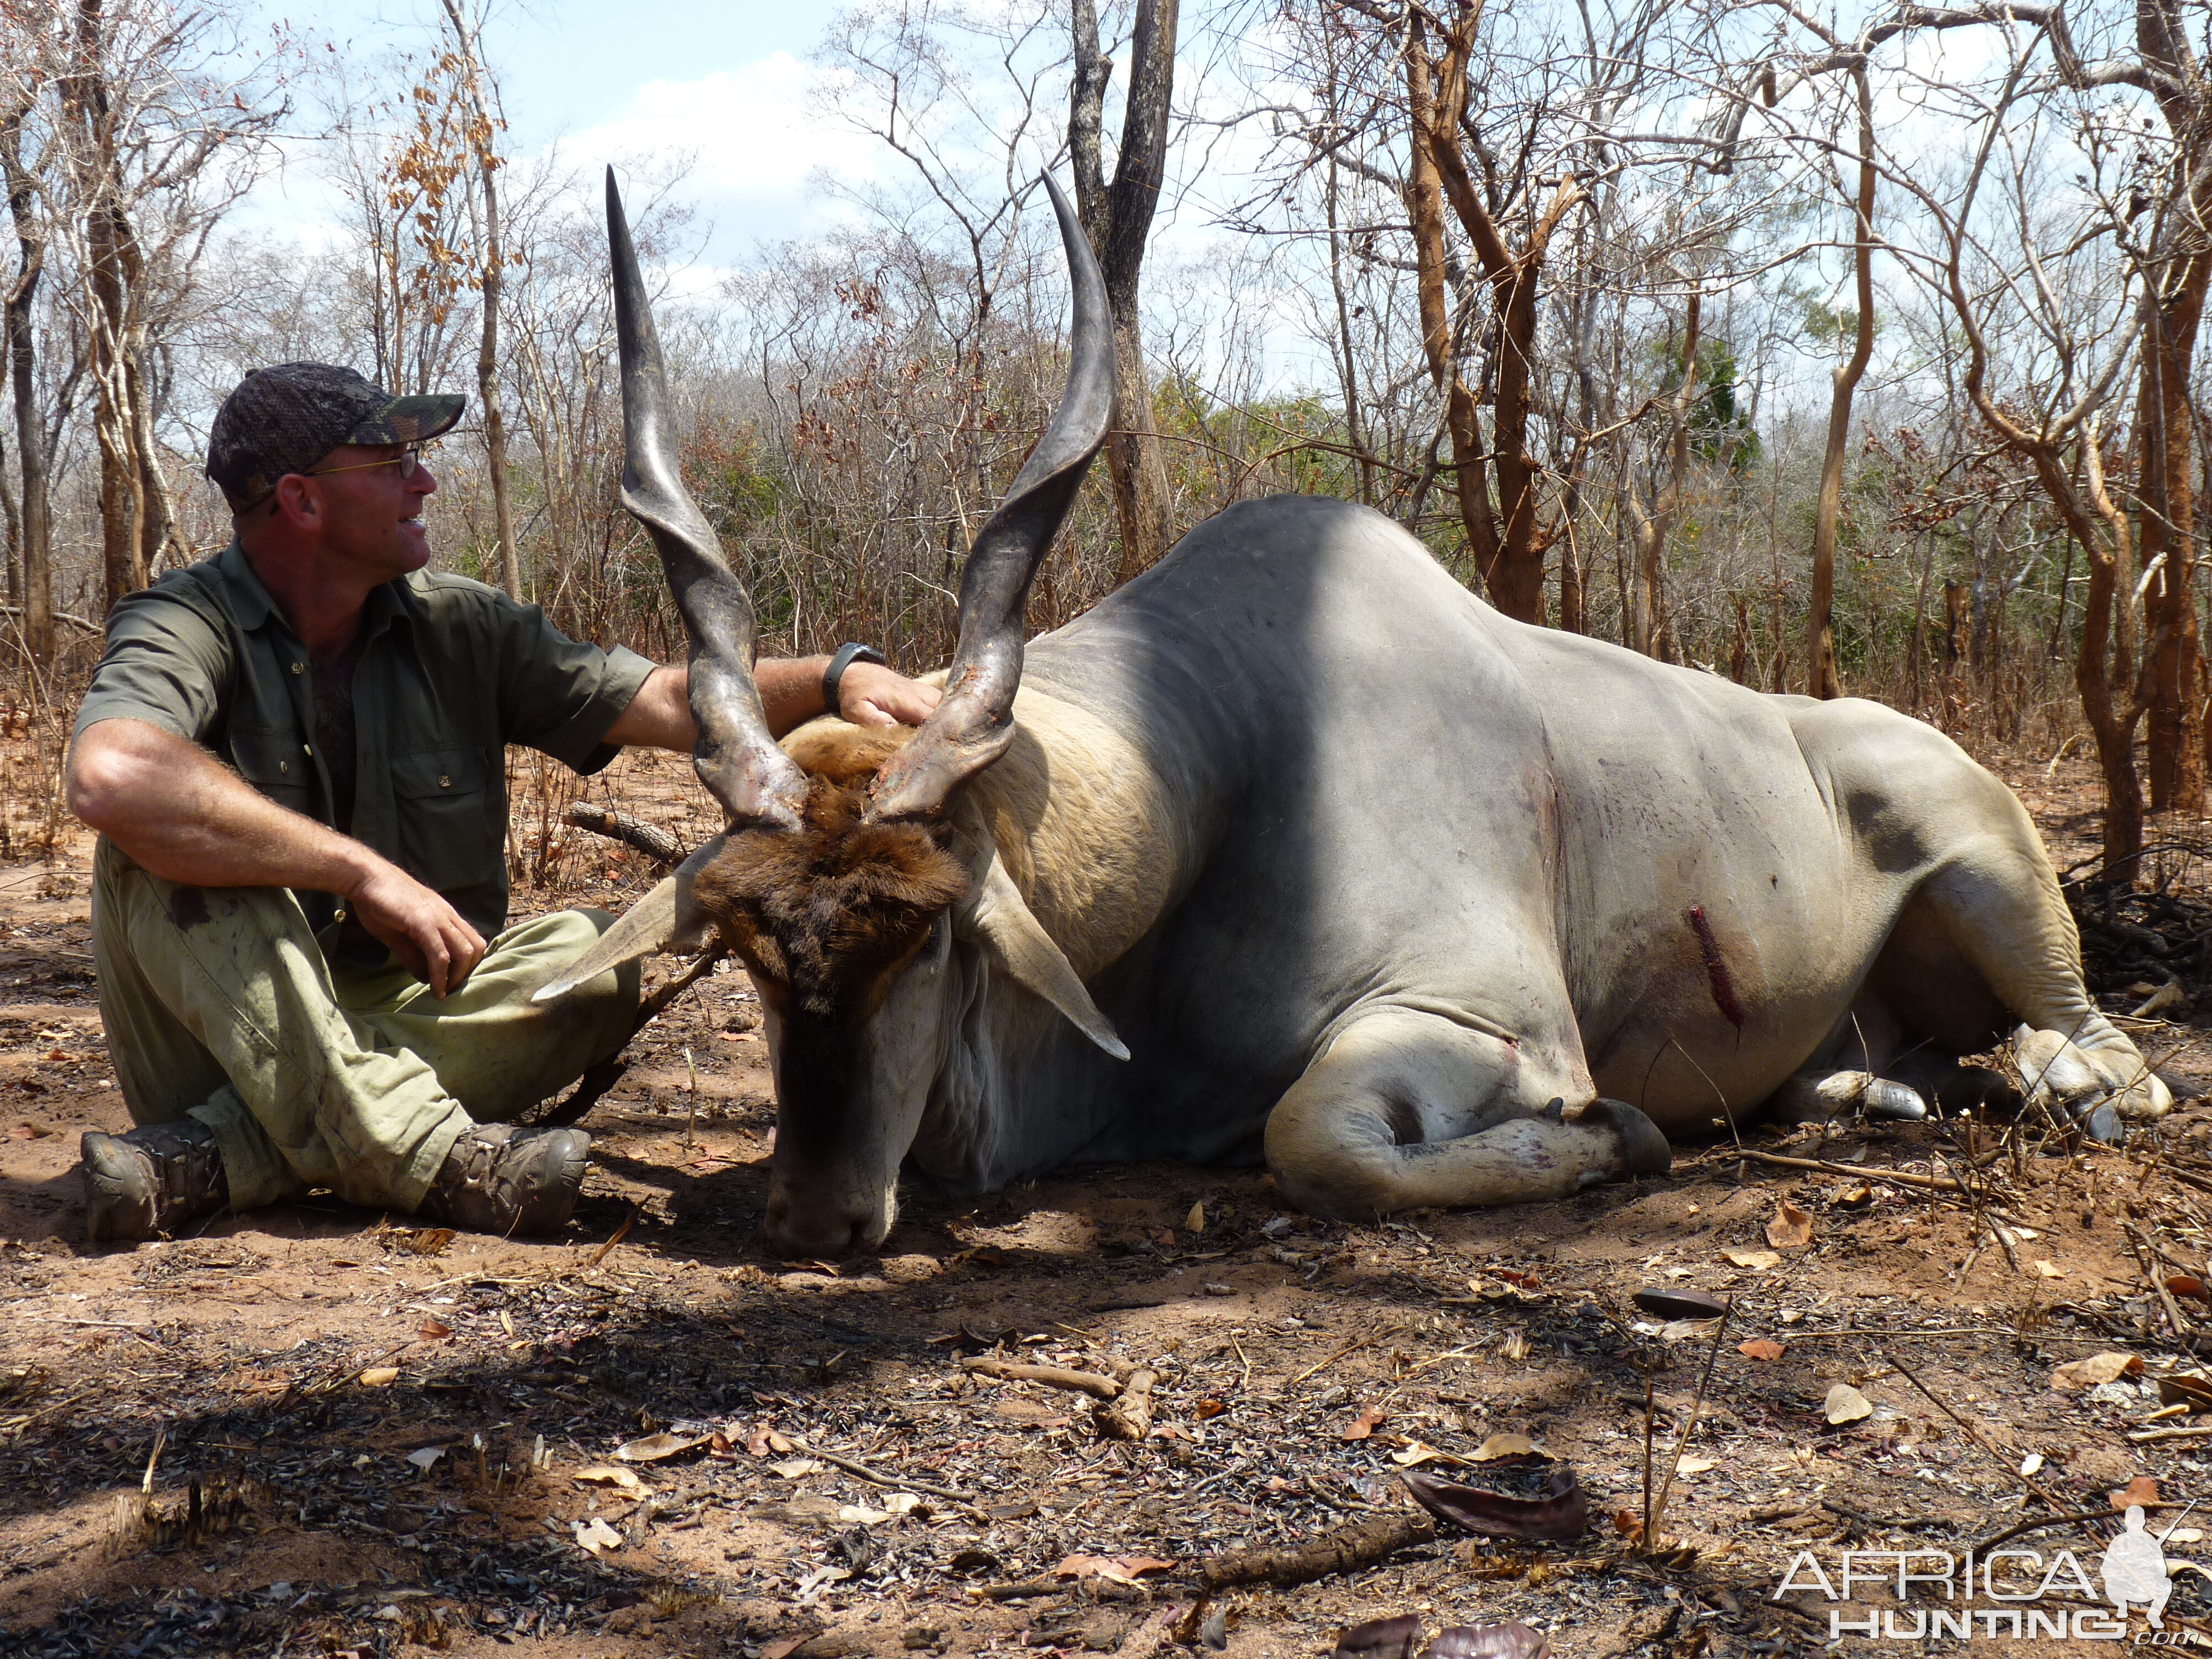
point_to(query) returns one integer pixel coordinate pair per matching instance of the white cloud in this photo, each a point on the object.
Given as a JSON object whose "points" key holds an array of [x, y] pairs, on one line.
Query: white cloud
{"points": [[759, 140]]}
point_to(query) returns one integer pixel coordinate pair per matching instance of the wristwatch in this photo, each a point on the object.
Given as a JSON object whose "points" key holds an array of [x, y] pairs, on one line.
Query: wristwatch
{"points": [[841, 660]]}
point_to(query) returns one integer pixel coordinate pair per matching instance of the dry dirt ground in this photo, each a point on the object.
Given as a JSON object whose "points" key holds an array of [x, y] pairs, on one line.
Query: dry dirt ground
{"points": [[363, 1439]]}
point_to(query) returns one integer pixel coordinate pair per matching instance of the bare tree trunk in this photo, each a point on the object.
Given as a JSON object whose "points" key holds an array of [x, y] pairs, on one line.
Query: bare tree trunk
{"points": [[107, 253], [493, 264], [1821, 679], [2111, 729], [1118, 220], [1511, 554], [1425, 206], [1649, 630], [38, 589]]}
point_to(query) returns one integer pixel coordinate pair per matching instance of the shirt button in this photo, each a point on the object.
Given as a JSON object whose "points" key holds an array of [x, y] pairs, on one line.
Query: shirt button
{"points": [[283, 766], [445, 781], [299, 668], [307, 749]]}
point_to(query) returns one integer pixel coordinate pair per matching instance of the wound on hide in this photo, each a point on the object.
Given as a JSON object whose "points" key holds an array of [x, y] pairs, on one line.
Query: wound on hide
{"points": [[1717, 973]]}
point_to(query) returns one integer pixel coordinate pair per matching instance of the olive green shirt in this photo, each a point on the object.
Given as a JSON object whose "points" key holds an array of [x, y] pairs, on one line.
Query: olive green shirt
{"points": [[451, 672]]}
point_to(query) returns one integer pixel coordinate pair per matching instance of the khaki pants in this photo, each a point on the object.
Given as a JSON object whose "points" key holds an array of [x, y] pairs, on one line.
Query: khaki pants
{"points": [[220, 1005]]}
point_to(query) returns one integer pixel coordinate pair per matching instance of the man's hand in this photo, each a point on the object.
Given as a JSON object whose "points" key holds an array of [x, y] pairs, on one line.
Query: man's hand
{"points": [[871, 695], [660, 715], [418, 927], [182, 815]]}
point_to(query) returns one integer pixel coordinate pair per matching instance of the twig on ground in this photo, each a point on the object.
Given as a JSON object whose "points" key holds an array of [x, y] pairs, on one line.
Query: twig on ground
{"points": [[1899, 1177], [1057, 1376], [1348, 1348], [1972, 1433], [897, 1482]]}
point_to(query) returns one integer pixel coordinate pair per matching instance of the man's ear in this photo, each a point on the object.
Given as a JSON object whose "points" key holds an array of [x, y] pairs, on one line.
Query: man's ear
{"points": [[996, 912]]}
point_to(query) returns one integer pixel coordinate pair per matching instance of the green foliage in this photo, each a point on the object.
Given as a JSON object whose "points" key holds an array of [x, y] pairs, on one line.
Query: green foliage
{"points": [[1720, 429]]}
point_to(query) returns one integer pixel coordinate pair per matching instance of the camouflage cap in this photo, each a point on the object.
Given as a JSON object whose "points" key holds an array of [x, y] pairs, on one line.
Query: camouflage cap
{"points": [[285, 419]]}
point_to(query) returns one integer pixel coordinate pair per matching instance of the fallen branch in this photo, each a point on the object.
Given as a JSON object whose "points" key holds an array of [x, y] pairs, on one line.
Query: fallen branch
{"points": [[1927, 1184], [1346, 1549], [1056, 1376], [636, 833], [1022, 1591], [1128, 1416]]}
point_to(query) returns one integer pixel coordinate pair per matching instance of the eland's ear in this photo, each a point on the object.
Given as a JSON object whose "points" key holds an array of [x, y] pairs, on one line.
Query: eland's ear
{"points": [[995, 912], [668, 918]]}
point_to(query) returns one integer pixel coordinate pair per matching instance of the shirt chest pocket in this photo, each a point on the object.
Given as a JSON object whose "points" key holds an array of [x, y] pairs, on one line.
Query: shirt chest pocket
{"points": [[276, 763], [451, 826]]}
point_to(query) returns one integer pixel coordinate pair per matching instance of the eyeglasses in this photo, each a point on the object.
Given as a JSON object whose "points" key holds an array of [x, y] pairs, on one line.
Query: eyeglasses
{"points": [[406, 461]]}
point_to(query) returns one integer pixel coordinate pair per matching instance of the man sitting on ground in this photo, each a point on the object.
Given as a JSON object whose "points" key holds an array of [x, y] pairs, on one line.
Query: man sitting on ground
{"points": [[294, 757]]}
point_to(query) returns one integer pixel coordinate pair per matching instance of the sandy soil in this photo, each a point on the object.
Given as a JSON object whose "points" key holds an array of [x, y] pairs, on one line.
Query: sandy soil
{"points": [[376, 1440]]}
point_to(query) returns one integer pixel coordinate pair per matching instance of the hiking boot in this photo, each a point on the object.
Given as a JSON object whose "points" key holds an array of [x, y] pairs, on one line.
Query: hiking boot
{"points": [[152, 1180], [500, 1179]]}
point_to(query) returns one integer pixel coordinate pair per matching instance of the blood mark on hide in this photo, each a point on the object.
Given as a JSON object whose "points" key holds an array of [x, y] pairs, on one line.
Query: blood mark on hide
{"points": [[1717, 972]]}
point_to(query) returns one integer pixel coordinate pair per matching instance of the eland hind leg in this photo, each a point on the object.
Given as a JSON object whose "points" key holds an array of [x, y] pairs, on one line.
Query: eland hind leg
{"points": [[1408, 1110], [1986, 941]]}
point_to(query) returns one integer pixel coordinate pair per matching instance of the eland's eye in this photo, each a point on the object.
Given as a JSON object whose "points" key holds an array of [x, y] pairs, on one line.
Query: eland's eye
{"points": [[933, 954]]}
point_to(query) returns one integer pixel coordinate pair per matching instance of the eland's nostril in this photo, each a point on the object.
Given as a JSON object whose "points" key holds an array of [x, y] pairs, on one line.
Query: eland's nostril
{"points": [[823, 1234]]}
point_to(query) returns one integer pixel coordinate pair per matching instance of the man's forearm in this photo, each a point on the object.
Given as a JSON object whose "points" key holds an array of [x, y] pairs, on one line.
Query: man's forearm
{"points": [[182, 815], [659, 716]]}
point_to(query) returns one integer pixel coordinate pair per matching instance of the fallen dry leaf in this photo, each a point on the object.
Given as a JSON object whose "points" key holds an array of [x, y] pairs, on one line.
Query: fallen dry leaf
{"points": [[854, 1515], [2096, 1369], [1791, 1228], [2188, 1284], [1501, 1446], [1364, 1425], [2048, 1269], [2143, 1490], [1116, 1568], [27, 1132], [656, 1447], [1209, 1408], [425, 1457], [2031, 1465], [1195, 1221], [1694, 1305], [1512, 1640], [796, 1468], [380, 1376], [431, 1330], [596, 1535], [1756, 1261], [2189, 1388], [1560, 1511], [606, 1475], [1414, 1453], [1695, 1466], [1761, 1347], [1845, 1404]]}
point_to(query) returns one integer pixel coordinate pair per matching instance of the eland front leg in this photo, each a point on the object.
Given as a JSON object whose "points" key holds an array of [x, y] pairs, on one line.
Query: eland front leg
{"points": [[1407, 1111]]}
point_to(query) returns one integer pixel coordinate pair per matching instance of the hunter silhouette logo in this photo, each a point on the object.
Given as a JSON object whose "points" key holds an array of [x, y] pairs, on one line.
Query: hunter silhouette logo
{"points": [[2134, 1569]]}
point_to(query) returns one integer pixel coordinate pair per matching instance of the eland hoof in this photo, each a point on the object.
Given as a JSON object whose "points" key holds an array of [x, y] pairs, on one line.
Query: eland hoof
{"points": [[1644, 1149], [1894, 1101]]}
